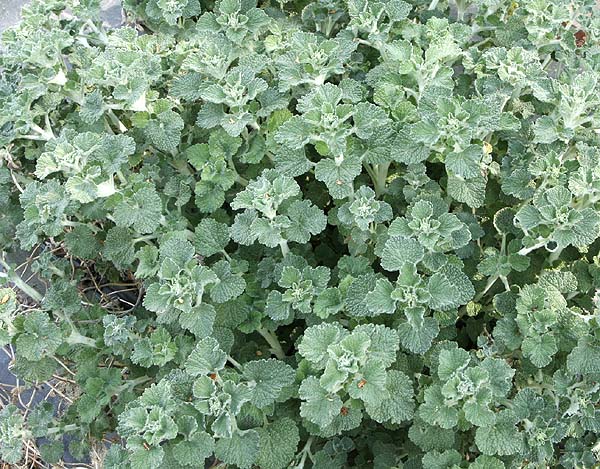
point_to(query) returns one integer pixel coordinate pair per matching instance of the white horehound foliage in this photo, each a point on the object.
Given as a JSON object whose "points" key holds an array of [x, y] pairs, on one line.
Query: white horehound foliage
{"points": [[360, 233]]}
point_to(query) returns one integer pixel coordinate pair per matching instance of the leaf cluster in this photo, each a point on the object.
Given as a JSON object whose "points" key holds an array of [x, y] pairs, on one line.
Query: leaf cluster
{"points": [[305, 234]]}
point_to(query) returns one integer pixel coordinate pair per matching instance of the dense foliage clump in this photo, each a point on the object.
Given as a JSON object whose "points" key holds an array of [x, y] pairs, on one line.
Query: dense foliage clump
{"points": [[327, 234]]}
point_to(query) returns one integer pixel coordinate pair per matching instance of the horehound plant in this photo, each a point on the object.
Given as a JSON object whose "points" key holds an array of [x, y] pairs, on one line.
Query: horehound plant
{"points": [[305, 234]]}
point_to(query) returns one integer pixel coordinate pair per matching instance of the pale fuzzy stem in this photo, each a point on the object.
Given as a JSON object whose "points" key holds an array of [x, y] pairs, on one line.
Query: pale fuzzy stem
{"points": [[488, 285], [45, 134], [131, 384], [305, 453], [116, 121], [78, 339], [525, 251], [284, 247], [554, 256], [19, 283], [273, 342], [66, 428], [234, 362]]}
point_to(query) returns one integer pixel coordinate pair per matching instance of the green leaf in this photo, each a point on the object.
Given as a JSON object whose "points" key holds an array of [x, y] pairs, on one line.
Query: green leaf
{"points": [[142, 211], [400, 251], [148, 262], [469, 191], [306, 220], [328, 303], [11, 433], [435, 411], [241, 230], [278, 443], [584, 359], [356, 295], [384, 342], [194, 450], [267, 379], [178, 249], [317, 340], [502, 438], [399, 406], [147, 459], [318, 406], [211, 237], [478, 414], [40, 336], [81, 242], [418, 331], [539, 349], [369, 384], [158, 349], [241, 450], [292, 162], [465, 164], [199, 320], [451, 362], [119, 247], [487, 462], [443, 460], [449, 288], [164, 132], [500, 375], [368, 118], [116, 457], [266, 193], [407, 150], [276, 308], [52, 452], [228, 285], [223, 145], [92, 108], [207, 357], [338, 176]]}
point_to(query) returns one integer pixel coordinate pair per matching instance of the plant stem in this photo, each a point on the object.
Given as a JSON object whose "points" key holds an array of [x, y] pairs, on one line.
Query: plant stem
{"points": [[45, 134], [284, 247], [329, 26], [234, 362], [66, 428], [488, 285], [381, 172], [239, 179], [131, 384], [78, 339], [481, 43], [378, 174], [144, 238], [19, 283], [272, 340], [181, 166], [121, 177], [461, 9], [33, 137], [554, 256], [364, 41], [73, 223], [305, 452], [525, 251]]}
